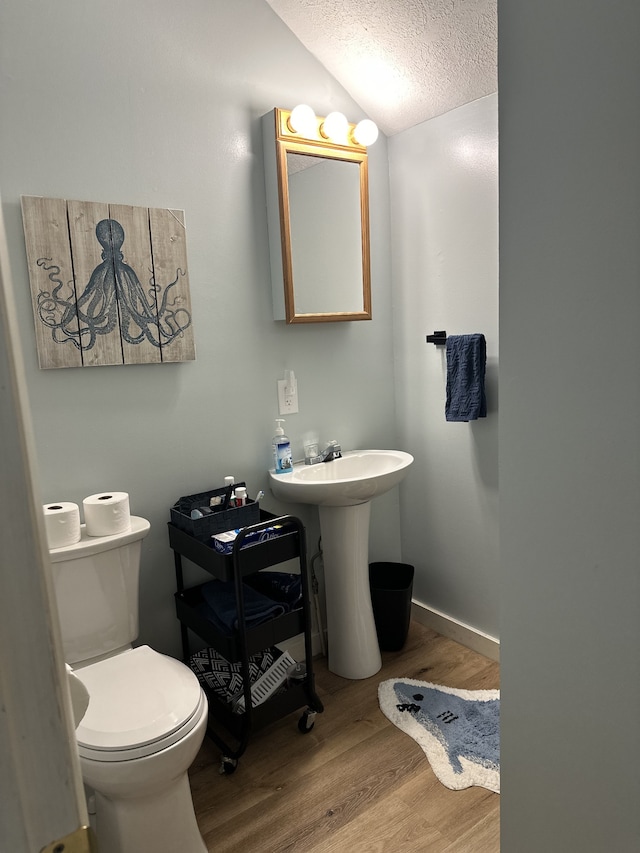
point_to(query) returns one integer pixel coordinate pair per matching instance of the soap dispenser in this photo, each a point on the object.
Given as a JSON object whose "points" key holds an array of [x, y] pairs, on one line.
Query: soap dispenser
{"points": [[282, 462]]}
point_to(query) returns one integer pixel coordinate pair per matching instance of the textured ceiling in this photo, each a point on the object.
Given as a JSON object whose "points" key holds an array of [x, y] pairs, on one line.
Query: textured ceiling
{"points": [[402, 61]]}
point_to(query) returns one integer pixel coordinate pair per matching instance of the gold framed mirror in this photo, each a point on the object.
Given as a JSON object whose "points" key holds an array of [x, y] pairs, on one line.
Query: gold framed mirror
{"points": [[318, 218]]}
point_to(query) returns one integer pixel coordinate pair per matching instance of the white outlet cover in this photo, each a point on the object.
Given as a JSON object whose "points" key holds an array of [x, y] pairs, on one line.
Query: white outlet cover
{"points": [[287, 403]]}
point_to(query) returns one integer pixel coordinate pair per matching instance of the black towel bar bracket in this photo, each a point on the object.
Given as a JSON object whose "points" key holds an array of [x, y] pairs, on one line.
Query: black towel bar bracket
{"points": [[437, 338]]}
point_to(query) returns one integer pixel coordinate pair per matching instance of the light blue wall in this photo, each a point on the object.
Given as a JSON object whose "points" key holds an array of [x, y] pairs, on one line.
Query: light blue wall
{"points": [[153, 104], [444, 214], [569, 425]]}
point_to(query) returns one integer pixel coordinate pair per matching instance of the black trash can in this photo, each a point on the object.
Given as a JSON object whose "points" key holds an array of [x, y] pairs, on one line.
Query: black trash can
{"points": [[391, 586]]}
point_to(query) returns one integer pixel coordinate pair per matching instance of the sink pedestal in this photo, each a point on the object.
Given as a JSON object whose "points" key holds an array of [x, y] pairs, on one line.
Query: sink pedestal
{"points": [[352, 639], [343, 490]]}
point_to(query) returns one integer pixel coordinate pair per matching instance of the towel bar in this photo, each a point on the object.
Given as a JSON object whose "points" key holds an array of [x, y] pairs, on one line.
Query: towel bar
{"points": [[437, 338]]}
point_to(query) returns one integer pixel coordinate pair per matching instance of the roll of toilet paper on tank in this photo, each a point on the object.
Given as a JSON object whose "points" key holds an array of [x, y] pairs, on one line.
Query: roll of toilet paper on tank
{"points": [[62, 524], [107, 513]]}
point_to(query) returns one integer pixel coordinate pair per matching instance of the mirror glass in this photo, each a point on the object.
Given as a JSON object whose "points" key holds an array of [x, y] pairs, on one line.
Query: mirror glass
{"points": [[325, 228], [321, 269]]}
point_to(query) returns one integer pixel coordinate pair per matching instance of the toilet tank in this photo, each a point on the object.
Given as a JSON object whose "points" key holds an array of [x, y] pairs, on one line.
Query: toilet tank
{"points": [[96, 587]]}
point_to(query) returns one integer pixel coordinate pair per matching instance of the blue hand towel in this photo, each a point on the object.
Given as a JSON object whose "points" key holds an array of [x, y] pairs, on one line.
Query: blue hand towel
{"points": [[284, 587], [466, 363], [220, 606]]}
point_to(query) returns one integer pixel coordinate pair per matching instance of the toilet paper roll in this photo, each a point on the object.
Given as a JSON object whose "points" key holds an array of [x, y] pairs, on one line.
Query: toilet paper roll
{"points": [[62, 524], [107, 513]]}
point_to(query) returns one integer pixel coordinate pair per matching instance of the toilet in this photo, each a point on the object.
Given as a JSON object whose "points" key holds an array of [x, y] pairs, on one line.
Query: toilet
{"points": [[147, 713]]}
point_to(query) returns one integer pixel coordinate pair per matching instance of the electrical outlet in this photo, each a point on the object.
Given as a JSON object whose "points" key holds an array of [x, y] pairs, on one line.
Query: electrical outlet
{"points": [[287, 403]]}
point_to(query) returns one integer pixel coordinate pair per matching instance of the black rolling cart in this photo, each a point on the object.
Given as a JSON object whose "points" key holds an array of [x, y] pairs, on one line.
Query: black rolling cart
{"points": [[231, 730]]}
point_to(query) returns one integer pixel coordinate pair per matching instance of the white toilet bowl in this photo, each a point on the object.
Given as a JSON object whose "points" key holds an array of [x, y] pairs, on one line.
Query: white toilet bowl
{"points": [[145, 723], [147, 713]]}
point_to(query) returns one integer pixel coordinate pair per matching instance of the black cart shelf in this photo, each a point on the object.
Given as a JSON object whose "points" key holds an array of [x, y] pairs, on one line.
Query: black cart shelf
{"points": [[244, 642]]}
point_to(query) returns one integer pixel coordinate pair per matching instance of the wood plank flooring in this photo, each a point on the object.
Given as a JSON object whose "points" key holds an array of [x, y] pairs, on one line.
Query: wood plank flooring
{"points": [[355, 782]]}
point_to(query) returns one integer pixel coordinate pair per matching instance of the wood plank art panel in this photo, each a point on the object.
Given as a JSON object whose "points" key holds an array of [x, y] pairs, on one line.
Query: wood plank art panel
{"points": [[169, 247], [109, 283], [137, 305], [51, 276], [96, 301]]}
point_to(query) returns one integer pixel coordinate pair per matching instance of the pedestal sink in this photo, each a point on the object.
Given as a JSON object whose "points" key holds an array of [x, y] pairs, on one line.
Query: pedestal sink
{"points": [[342, 490]]}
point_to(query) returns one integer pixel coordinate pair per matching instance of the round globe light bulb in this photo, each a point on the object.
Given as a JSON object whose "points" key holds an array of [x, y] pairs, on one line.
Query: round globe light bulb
{"points": [[302, 120], [365, 132], [335, 127]]}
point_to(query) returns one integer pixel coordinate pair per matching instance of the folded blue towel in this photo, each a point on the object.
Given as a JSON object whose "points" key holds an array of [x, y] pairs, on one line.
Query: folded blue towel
{"points": [[220, 608], [285, 587], [466, 363]]}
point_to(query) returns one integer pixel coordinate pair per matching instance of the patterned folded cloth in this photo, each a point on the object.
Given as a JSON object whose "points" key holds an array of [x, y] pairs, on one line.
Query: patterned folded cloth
{"points": [[225, 678]]}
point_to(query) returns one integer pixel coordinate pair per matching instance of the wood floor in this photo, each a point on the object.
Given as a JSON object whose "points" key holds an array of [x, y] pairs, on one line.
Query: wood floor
{"points": [[355, 783]]}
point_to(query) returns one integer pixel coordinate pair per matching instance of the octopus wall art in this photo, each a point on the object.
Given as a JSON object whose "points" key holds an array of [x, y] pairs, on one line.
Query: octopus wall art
{"points": [[109, 283]]}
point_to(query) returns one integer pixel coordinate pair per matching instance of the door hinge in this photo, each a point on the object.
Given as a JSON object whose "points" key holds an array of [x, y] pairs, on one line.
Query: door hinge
{"points": [[81, 841]]}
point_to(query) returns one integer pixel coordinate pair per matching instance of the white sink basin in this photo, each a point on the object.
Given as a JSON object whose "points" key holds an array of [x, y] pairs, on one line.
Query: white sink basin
{"points": [[357, 477], [342, 490]]}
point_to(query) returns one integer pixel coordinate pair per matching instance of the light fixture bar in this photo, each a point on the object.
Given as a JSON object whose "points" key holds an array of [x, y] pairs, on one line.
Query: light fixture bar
{"points": [[301, 122]]}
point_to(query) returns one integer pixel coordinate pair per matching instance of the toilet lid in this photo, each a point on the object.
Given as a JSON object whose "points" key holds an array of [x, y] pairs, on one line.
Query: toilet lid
{"points": [[137, 698]]}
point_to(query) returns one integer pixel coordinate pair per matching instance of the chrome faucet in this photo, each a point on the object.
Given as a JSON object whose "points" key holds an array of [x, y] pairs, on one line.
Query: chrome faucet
{"points": [[331, 451]]}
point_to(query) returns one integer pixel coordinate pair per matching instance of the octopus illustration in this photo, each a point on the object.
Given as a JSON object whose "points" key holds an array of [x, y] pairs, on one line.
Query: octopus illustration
{"points": [[114, 294]]}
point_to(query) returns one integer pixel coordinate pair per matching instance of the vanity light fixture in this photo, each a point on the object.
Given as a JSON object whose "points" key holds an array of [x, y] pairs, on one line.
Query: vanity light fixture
{"points": [[365, 132], [303, 122], [335, 127]]}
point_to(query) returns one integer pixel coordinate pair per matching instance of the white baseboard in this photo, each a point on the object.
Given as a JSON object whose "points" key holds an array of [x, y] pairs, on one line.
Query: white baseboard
{"points": [[449, 627]]}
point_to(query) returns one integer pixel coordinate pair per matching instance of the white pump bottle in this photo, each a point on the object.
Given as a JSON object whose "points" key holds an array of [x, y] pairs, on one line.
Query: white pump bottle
{"points": [[282, 461]]}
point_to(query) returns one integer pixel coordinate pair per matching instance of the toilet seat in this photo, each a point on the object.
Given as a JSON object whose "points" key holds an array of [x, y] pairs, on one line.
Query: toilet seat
{"points": [[140, 703]]}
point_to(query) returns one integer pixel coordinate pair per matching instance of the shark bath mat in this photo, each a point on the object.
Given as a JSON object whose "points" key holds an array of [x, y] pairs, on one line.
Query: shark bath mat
{"points": [[459, 730]]}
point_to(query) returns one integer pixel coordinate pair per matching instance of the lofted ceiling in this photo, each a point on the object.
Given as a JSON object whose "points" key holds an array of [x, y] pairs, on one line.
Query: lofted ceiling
{"points": [[402, 61]]}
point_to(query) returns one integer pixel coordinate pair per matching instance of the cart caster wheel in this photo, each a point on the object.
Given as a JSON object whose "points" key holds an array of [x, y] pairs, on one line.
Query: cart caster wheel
{"points": [[228, 765], [306, 722]]}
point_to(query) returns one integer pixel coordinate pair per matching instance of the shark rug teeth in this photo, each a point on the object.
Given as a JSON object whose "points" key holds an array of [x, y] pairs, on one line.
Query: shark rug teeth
{"points": [[459, 730]]}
